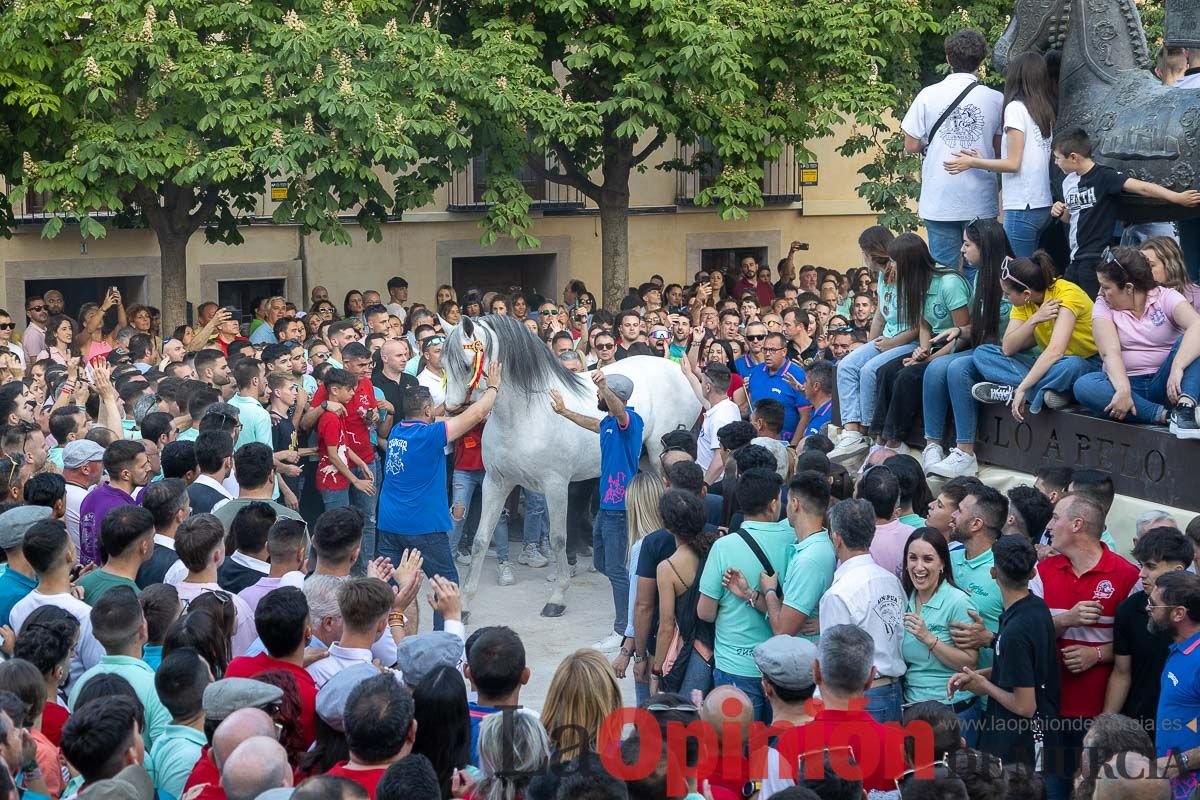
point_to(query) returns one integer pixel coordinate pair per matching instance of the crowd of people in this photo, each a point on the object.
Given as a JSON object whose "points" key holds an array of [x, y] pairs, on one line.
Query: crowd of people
{"points": [[215, 540]]}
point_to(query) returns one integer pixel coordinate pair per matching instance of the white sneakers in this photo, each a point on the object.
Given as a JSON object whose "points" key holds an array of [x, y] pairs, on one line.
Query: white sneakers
{"points": [[609, 643], [1055, 400], [553, 576], [504, 574], [531, 556], [932, 454], [851, 445], [955, 465]]}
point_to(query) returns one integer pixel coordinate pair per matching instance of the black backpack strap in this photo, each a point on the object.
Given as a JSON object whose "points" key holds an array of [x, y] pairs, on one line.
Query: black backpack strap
{"points": [[759, 554], [950, 110]]}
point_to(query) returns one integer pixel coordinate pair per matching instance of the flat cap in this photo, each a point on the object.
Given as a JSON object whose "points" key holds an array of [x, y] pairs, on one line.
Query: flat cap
{"points": [[787, 661], [223, 697], [331, 699], [619, 385], [80, 452], [417, 656], [15, 521]]}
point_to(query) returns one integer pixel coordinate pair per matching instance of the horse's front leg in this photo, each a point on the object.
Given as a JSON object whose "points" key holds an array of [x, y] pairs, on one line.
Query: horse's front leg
{"points": [[556, 507]]}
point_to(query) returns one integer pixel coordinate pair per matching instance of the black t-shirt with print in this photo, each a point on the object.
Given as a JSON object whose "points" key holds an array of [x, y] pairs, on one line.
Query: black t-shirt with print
{"points": [[1026, 655], [1092, 201], [1147, 654]]}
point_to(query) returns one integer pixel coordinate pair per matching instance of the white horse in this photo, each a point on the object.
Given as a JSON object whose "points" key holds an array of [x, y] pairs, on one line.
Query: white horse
{"points": [[526, 444]]}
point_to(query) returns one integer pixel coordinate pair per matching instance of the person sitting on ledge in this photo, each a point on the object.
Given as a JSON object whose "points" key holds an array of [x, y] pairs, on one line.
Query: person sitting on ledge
{"points": [[1149, 339]]}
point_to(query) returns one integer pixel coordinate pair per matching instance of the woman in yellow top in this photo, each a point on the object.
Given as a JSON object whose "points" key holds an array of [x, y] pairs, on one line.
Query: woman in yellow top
{"points": [[1050, 314]]}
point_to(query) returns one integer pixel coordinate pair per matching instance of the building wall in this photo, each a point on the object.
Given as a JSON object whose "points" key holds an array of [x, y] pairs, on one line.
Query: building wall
{"points": [[423, 246]]}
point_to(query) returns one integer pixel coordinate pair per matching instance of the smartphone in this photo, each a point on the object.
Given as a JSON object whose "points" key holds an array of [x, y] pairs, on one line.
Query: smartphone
{"points": [[112, 290]]}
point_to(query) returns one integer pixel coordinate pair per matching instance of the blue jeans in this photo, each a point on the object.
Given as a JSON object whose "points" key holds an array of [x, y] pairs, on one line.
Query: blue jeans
{"points": [[434, 549], [945, 240], [537, 519], [610, 552], [1095, 390], [969, 720], [857, 376], [751, 686], [641, 692], [1023, 227], [366, 503], [939, 393], [699, 675], [463, 485], [993, 365], [884, 703]]}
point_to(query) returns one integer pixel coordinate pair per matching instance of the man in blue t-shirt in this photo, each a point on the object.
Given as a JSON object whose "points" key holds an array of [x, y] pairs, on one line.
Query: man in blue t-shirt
{"points": [[620, 432], [780, 379], [414, 508], [818, 388]]}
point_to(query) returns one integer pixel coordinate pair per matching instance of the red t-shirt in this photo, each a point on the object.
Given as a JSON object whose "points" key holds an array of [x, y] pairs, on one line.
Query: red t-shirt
{"points": [[358, 436], [366, 778], [878, 750], [1109, 582], [251, 666], [225, 345], [468, 453], [53, 718], [765, 293], [331, 432], [205, 781]]}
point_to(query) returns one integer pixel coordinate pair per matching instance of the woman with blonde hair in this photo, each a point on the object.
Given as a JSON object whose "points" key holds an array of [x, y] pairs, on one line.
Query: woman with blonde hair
{"points": [[1166, 263], [582, 695], [643, 519], [510, 754]]}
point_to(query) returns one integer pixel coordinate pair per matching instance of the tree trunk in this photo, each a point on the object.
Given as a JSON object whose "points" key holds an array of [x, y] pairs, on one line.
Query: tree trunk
{"points": [[172, 248], [614, 245]]}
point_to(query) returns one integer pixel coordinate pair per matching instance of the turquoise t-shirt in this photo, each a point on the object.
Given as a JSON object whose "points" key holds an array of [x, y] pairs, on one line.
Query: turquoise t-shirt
{"points": [[927, 676], [1005, 311], [948, 291], [809, 574], [974, 576], [913, 520], [740, 628], [889, 309]]}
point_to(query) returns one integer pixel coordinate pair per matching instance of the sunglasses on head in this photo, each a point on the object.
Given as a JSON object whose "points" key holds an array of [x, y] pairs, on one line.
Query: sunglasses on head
{"points": [[1006, 273], [1111, 258], [433, 341]]}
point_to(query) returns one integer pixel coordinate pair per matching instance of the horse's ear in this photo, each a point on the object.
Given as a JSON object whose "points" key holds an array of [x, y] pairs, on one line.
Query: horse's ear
{"points": [[467, 327]]}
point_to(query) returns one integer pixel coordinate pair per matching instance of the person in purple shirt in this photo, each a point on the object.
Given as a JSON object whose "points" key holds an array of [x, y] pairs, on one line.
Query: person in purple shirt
{"points": [[128, 467]]}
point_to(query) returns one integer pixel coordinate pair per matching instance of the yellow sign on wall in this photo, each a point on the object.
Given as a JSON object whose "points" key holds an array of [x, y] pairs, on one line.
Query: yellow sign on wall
{"points": [[808, 174], [279, 190]]}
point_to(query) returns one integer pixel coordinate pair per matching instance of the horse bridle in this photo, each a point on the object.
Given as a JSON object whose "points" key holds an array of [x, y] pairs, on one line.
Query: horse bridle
{"points": [[476, 364]]}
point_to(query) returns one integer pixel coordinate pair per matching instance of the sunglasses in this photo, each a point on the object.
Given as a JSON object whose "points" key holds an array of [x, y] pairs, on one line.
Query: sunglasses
{"points": [[605, 346], [320, 355], [8, 326], [1110, 258], [756, 337], [545, 312], [433, 341], [1007, 275], [36, 308], [660, 335]]}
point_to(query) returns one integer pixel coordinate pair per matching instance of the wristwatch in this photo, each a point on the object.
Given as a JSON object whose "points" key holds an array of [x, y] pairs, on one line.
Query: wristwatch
{"points": [[324, 405], [637, 659], [626, 653]]}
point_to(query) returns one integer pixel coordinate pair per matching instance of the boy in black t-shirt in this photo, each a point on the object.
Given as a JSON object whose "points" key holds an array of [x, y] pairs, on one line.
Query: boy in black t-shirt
{"points": [[284, 388], [1022, 683], [1139, 656], [1090, 195]]}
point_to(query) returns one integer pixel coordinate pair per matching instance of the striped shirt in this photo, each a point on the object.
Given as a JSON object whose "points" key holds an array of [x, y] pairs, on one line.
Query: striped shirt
{"points": [[1109, 582]]}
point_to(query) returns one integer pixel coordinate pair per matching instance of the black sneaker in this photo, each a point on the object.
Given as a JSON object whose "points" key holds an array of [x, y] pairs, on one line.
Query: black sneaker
{"points": [[989, 392], [1183, 422]]}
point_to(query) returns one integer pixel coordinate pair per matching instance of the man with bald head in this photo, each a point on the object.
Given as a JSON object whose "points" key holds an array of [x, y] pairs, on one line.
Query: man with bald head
{"points": [[389, 376], [1131, 776], [1083, 585], [256, 765], [245, 723], [727, 708]]}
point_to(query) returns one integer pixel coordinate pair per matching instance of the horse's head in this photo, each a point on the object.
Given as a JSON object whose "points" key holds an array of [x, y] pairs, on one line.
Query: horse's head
{"points": [[465, 358], [1036, 26]]}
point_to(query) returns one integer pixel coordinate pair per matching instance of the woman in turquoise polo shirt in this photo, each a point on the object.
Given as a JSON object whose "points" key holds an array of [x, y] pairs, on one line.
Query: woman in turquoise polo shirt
{"points": [[935, 601]]}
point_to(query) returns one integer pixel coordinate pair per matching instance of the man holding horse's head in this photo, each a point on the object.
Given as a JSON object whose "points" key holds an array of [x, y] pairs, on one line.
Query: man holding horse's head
{"points": [[414, 508], [620, 432]]}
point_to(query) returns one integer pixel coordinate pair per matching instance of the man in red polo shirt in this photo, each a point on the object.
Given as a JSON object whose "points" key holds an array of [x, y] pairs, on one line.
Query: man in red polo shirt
{"points": [[762, 290], [1082, 585], [284, 628], [843, 736], [379, 730]]}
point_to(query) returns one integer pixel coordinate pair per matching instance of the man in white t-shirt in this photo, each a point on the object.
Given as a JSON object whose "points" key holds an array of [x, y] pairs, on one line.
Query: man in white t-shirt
{"points": [[721, 412], [949, 202], [397, 296]]}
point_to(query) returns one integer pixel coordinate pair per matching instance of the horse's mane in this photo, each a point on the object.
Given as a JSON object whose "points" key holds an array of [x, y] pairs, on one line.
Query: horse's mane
{"points": [[529, 365]]}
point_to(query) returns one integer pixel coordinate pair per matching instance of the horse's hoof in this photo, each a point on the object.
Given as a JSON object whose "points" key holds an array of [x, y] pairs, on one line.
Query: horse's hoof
{"points": [[553, 610]]}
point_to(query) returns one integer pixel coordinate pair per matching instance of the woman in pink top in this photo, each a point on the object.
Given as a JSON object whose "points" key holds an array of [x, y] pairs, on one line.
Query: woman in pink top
{"points": [[1166, 262], [1149, 338]]}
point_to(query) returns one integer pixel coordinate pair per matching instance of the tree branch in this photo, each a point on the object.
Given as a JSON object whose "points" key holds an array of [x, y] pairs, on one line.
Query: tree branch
{"points": [[208, 206], [571, 174], [657, 142]]}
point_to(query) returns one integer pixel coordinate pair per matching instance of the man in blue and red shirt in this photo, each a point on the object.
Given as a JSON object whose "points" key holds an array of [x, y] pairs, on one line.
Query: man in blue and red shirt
{"points": [[620, 432], [780, 379]]}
